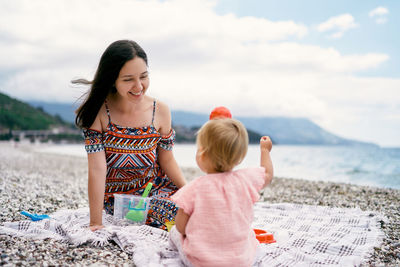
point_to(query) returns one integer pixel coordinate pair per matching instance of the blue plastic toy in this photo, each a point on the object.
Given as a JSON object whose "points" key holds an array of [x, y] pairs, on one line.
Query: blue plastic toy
{"points": [[35, 217]]}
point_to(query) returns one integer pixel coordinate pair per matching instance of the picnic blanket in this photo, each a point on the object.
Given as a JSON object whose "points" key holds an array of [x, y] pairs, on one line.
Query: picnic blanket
{"points": [[306, 235]]}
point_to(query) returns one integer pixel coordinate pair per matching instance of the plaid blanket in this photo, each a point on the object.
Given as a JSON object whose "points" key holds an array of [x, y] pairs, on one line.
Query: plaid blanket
{"points": [[306, 235]]}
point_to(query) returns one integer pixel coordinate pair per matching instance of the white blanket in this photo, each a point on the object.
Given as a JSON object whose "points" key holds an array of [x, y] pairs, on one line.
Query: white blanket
{"points": [[306, 235]]}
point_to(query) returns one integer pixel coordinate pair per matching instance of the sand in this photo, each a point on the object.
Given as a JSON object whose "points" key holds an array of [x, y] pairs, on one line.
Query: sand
{"points": [[44, 183]]}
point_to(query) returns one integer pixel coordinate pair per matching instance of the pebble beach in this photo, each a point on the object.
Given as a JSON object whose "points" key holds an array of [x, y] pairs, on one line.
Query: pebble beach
{"points": [[44, 183]]}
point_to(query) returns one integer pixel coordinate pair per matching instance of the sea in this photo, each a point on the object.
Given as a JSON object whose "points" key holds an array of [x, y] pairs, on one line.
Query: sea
{"points": [[360, 165]]}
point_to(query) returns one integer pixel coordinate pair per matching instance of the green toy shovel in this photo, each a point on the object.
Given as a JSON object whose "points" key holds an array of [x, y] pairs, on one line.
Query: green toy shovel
{"points": [[137, 213]]}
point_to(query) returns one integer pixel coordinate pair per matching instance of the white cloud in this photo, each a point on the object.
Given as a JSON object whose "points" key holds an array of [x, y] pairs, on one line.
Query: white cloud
{"points": [[379, 11], [198, 59], [379, 14], [337, 25]]}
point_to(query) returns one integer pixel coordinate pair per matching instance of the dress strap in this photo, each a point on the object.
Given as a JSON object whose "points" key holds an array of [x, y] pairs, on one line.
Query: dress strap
{"points": [[154, 111], [108, 111]]}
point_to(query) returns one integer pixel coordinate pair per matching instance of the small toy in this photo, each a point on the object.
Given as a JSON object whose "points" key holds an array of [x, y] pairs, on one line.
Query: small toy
{"points": [[35, 217], [169, 224], [264, 237], [137, 213], [219, 113]]}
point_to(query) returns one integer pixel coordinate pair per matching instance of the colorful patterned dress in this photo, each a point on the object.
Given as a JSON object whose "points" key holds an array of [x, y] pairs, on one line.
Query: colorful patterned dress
{"points": [[131, 156]]}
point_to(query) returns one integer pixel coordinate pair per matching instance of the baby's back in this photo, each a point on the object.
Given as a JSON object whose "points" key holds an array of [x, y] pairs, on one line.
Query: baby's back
{"points": [[219, 231]]}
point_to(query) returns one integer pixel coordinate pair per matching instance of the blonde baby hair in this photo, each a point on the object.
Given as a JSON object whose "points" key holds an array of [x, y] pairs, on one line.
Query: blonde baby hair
{"points": [[224, 142]]}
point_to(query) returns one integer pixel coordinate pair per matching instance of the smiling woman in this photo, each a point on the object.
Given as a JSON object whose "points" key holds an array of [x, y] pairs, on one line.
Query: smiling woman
{"points": [[128, 137]]}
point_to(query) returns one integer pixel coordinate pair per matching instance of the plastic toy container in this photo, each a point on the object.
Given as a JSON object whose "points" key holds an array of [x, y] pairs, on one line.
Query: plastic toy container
{"points": [[131, 208]]}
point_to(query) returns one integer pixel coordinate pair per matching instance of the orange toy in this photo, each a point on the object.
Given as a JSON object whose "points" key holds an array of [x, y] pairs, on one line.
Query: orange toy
{"points": [[264, 237], [220, 112]]}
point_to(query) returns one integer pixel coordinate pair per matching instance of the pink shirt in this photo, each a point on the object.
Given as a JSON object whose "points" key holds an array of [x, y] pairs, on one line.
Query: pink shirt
{"points": [[220, 206]]}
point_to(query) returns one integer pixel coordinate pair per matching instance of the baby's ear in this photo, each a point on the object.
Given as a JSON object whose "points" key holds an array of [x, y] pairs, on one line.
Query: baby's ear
{"points": [[202, 153]]}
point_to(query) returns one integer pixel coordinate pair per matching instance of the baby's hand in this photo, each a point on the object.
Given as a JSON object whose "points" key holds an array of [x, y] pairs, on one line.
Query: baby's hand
{"points": [[265, 143]]}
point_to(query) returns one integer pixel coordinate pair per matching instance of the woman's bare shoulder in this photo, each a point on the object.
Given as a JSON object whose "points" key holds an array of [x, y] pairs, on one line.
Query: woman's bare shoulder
{"points": [[163, 118], [163, 108], [101, 121]]}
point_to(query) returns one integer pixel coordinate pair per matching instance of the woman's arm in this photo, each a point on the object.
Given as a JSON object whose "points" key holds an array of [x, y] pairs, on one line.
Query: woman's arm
{"points": [[181, 220], [170, 166], [166, 157], [96, 188], [97, 171]]}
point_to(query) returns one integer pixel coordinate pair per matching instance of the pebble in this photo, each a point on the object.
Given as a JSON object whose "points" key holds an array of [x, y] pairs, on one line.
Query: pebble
{"points": [[44, 183]]}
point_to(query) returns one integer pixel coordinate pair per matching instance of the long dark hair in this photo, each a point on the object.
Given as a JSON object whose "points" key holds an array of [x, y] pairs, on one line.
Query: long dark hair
{"points": [[111, 62]]}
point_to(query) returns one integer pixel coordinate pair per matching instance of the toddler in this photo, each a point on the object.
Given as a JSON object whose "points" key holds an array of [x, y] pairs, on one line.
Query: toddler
{"points": [[213, 223]]}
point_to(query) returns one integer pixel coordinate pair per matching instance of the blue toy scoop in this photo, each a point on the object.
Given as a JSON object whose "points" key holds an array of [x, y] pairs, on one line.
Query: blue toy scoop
{"points": [[35, 217]]}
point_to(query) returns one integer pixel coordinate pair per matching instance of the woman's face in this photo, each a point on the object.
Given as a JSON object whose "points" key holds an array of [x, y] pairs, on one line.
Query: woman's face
{"points": [[133, 79]]}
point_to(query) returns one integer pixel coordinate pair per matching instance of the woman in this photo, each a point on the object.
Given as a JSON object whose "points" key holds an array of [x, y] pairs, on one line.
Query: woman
{"points": [[128, 136]]}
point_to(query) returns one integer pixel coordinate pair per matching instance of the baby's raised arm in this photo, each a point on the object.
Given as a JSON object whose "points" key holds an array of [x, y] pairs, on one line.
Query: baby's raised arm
{"points": [[265, 148]]}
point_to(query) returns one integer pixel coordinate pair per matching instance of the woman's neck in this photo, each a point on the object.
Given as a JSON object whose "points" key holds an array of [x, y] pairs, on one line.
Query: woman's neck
{"points": [[126, 106], [127, 113]]}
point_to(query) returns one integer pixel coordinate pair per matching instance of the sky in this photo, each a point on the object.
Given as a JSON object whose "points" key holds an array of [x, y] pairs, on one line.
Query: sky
{"points": [[336, 63]]}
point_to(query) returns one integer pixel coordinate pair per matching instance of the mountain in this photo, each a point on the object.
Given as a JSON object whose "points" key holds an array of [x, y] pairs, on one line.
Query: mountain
{"points": [[17, 115], [65, 111], [295, 131], [282, 130], [21, 121]]}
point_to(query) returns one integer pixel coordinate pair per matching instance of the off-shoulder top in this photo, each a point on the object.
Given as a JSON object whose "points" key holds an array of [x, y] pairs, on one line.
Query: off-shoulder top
{"points": [[132, 159]]}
